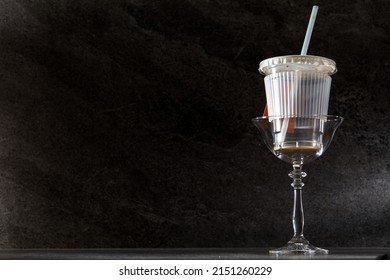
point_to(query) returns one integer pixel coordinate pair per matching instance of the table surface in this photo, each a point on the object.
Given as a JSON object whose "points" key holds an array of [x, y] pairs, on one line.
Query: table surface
{"points": [[364, 253]]}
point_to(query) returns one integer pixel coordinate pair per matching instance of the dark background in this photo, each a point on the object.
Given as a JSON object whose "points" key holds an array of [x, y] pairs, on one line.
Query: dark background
{"points": [[128, 124]]}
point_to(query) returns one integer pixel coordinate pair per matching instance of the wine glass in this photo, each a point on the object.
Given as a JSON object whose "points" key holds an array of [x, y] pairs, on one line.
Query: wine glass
{"points": [[297, 141]]}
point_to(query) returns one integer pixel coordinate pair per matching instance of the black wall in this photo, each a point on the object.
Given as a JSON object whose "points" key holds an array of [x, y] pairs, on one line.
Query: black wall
{"points": [[128, 124]]}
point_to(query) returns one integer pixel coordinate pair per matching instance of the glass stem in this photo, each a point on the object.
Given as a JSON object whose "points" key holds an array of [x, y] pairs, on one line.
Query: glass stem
{"points": [[298, 218]]}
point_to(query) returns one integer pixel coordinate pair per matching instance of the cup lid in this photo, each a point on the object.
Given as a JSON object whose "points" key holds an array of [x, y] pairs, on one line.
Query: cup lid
{"points": [[297, 63]]}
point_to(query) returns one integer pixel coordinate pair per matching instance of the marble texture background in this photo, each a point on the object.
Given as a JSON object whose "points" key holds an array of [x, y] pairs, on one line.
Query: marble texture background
{"points": [[128, 124]]}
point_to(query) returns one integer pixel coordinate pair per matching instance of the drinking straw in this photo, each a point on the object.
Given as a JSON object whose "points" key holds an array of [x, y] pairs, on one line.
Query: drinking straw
{"points": [[309, 30], [305, 46], [287, 121]]}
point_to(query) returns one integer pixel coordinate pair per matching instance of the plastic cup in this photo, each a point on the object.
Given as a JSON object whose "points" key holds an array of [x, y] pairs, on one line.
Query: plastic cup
{"points": [[297, 85]]}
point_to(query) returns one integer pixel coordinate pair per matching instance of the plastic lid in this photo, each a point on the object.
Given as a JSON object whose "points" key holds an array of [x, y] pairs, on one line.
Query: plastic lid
{"points": [[297, 63]]}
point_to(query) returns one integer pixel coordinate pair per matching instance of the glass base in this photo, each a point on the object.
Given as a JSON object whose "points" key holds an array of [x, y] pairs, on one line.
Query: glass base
{"points": [[299, 246]]}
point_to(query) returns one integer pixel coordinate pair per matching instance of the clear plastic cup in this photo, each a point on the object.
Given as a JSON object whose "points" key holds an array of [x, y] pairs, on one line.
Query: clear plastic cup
{"points": [[297, 85]]}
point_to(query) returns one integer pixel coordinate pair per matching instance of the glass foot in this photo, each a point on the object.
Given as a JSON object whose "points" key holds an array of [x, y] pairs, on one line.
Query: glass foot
{"points": [[299, 246]]}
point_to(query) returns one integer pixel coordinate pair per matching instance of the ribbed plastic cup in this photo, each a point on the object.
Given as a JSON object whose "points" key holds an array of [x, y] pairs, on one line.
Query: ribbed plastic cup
{"points": [[297, 85]]}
